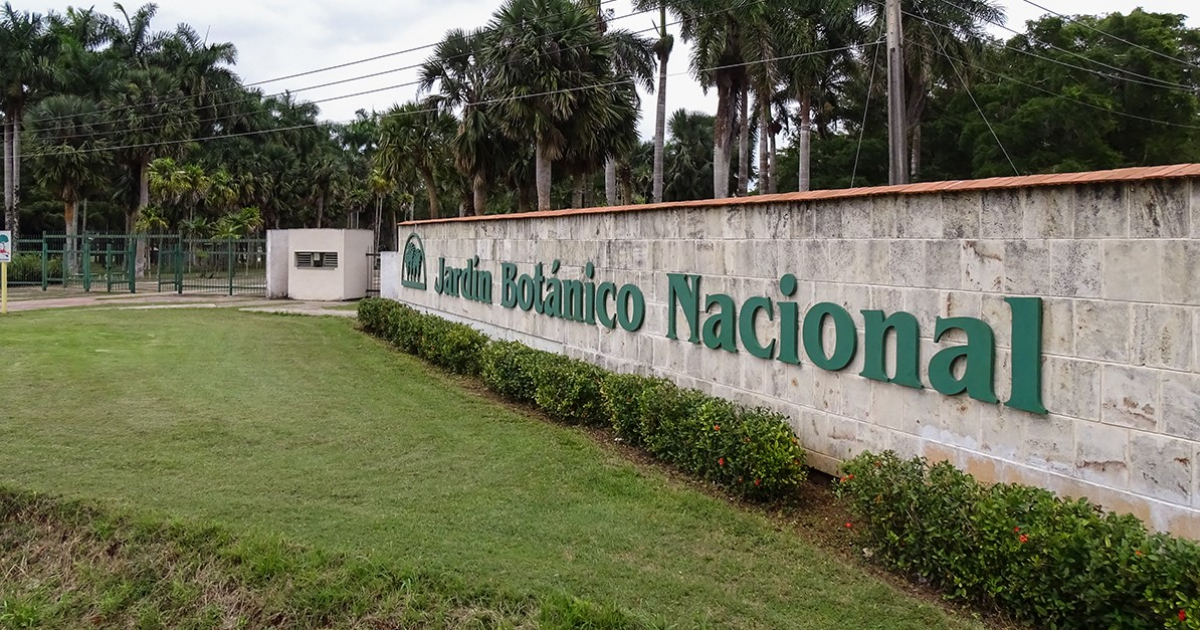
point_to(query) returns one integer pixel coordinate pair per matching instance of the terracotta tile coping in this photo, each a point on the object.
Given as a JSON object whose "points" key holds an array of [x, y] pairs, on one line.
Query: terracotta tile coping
{"points": [[993, 183]]}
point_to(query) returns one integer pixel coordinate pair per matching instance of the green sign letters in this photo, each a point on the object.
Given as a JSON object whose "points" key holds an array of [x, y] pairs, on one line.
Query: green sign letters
{"points": [[827, 334]]}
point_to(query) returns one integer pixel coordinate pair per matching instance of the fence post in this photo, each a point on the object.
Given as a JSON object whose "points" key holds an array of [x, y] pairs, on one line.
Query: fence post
{"points": [[131, 258], [45, 263], [179, 266], [87, 263], [108, 265], [229, 255]]}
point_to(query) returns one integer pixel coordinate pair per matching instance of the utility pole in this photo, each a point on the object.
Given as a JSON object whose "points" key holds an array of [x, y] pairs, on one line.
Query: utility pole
{"points": [[897, 131]]}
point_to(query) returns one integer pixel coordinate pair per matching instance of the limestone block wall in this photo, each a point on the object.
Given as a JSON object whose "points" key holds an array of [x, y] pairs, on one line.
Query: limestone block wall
{"points": [[1114, 256]]}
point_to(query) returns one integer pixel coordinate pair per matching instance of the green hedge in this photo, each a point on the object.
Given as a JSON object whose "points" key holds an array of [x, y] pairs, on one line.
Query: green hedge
{"points": [[1046, 561], [750, 451]]}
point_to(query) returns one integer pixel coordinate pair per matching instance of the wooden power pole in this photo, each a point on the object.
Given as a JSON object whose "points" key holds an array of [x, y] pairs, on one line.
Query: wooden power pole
{"points": [[897, 130]]}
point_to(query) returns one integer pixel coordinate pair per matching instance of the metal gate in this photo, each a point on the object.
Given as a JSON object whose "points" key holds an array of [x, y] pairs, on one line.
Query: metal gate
{"points": [[372, 273], [133, 263]]}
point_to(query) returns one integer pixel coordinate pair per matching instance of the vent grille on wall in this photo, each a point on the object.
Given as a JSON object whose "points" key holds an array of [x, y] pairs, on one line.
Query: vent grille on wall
{"points": [[317, 260]]}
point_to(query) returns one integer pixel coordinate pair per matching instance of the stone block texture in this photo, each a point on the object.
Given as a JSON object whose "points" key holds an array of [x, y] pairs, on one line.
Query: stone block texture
{"points": [[1117, 265]]}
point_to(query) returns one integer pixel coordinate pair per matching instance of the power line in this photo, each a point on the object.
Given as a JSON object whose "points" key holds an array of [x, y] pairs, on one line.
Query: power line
{"points": [[220, 118], [335, 67], [1043, 90], [866, 109], [979, 109], [428, 110], [1148, 80], [1106, 34]]}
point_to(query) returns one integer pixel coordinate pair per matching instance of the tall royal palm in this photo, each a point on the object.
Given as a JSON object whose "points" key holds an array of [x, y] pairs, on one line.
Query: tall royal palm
{"points": [[547, 54], [718, 61], [662, 49], [26, 51]]}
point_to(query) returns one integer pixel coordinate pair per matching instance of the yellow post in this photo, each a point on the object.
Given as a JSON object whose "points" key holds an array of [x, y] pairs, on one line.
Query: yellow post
{"points": [[3, 288]]}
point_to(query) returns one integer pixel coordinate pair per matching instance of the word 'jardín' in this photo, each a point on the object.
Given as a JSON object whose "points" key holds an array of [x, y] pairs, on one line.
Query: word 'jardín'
{"points": [[718, 322]]}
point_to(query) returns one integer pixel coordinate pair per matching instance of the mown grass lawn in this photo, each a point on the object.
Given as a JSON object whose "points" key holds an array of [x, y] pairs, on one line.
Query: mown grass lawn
{"points": [[307, 429]]}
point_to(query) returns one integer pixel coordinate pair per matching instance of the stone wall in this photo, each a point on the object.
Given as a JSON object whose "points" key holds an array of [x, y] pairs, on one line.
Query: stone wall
{"points": [[1114, 256]]}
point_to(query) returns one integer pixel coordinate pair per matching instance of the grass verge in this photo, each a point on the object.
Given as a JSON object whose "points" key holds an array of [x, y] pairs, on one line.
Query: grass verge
{"points": [[304, 429]]}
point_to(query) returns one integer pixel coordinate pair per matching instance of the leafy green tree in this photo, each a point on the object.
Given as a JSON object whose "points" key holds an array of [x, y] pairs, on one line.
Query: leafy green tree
{"points": [[26, 57], [413, 139]]}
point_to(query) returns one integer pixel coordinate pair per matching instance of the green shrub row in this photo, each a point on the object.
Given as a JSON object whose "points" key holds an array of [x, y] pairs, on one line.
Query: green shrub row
{"points": [[751, 451], [28, 268], [1047, 561]]}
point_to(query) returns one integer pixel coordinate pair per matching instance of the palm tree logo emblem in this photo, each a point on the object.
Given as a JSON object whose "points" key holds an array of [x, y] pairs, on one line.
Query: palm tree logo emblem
{"points": [[412, 273]]}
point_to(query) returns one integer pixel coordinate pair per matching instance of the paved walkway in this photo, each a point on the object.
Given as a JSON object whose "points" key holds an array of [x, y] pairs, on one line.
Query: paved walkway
{"points": [[146, 301]]}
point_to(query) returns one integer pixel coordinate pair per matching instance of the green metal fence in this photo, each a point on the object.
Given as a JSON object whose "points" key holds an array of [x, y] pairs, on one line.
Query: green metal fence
{"points": [[131, 263]]}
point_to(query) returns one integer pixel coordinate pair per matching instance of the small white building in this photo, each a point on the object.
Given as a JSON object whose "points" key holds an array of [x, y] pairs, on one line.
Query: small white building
{"points": [[319, 265]]}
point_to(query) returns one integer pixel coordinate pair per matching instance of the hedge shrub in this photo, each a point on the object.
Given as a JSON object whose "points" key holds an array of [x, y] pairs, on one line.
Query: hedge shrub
{"points": [[750, 451], [1047, 561], [568, 390], [508, 369]]}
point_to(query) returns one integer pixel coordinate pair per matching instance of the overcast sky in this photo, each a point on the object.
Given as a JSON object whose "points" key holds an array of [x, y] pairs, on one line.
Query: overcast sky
{"points": [[277, 38]]}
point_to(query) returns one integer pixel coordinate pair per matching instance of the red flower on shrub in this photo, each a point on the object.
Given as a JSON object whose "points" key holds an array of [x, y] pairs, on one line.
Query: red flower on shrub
{"points": [[850, 476], [849, 525], [1024, 538], [1017, 529], [716, 427], [721, 462], [758, 482], [1138, 552], [1183, 615]]}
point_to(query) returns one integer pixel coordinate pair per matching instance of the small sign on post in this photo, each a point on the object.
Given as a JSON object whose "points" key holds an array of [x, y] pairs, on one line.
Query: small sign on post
{"points": [[6, 250]]}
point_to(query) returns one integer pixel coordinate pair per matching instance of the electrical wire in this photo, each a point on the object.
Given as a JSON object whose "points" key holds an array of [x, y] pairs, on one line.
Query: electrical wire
{"points": [[220, 118], [979, 109], [428, 110], [339, 66], [1043, 90], [1148, 81], [252, 99], [866, 108], [1106, 34]]}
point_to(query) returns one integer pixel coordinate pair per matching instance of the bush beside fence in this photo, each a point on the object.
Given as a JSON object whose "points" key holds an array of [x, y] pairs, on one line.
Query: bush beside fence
{"points": [[1044, 560], [752, 452]]}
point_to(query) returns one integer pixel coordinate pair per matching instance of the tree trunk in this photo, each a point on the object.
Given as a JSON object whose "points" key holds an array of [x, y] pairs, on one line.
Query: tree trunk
{"points": [[16, 171], [774, 181], [543, 172], [660, 121], [395, 231], [69, 220], [915, 147], [523, 198], [320, 210], [9, 218], [577, 192], [480, 190], [143, 255], [610, 181], [722, 138], [744, 144], [431, 190], [805, 143], [764, 154]]}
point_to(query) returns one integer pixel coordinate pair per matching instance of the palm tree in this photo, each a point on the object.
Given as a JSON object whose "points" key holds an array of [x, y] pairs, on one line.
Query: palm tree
{"points": [[548, 56], [26, 51], [413, 139], [815, 27], [465, 82], [662, 49], [632, 64], [71, 155], [718, 61]]}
